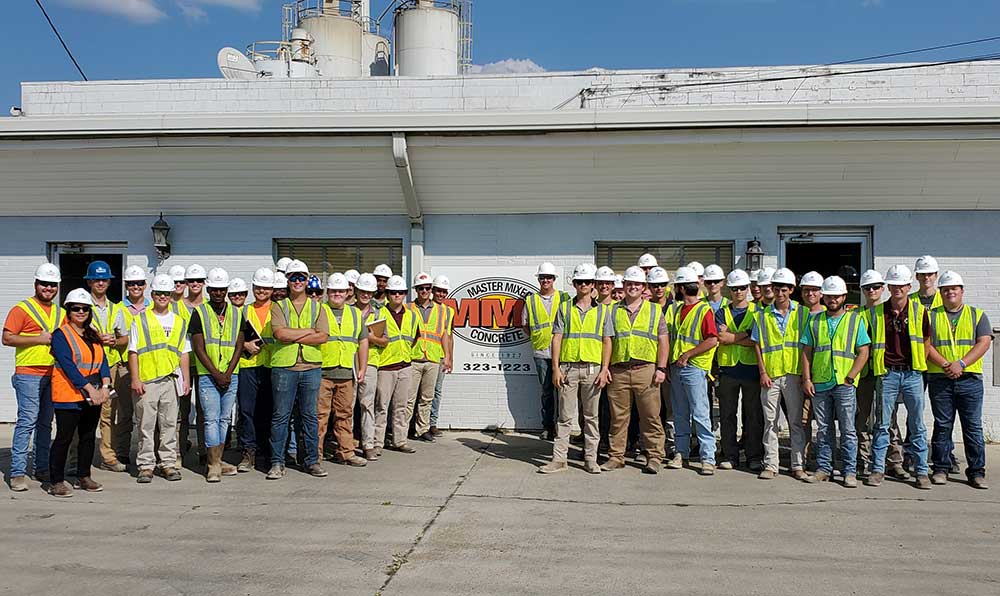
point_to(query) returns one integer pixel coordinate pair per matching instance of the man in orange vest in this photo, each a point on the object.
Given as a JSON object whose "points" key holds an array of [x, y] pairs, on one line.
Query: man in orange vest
{"points": [[431, 356]]}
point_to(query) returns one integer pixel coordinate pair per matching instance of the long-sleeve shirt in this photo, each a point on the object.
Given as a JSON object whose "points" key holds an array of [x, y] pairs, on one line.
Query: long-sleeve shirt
{"points": [[63, 354]]}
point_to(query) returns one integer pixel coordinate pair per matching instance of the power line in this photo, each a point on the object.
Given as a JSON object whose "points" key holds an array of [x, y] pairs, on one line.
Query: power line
{"points": [[65, 47]]}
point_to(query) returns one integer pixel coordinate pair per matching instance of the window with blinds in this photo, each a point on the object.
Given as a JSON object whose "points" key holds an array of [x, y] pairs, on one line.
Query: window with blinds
{"points": [[670, 255], [328, 256]]}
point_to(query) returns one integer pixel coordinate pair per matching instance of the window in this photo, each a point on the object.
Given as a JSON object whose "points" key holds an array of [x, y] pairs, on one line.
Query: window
{"points": [[670, 255], [328, 256]]}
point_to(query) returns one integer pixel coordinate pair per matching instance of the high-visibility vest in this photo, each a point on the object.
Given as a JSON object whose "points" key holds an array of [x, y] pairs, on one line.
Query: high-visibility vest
{"points": [[730, 355], [158, 354], [113, 354], [954, 344], [782, 352], [400, 347], [686, 333], [540, 321], [934, 303], [430, 343], [220, 338], [915, 330], [342, 343], [582, 337], [263, 329], [87, 358], [180, 309], [725, 302], [38, 355], [833, 357], [638, 339], [373, 351], [284, 355]]}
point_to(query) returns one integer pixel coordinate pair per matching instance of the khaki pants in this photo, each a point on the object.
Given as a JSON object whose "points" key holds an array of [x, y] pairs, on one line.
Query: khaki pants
{"points": [[392, 391], [422, 384], [628, 385], [117, 418], [789, 388], [578, 392], [337, 396], [157, 409], [366, 398]]}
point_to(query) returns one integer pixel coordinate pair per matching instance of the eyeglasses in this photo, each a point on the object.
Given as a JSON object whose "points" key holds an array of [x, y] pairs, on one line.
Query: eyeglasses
{"points": [[195, 281], [811, 290], [160, 294], [657, 285], [297, 278], [712, 282], [79, 308], [583, 282], [238, 294], [314, 292], [180, 282], [546, 278], [739, 289], [135, 284], [423, 288], [873, 287], [47, 284], [396, 292]]}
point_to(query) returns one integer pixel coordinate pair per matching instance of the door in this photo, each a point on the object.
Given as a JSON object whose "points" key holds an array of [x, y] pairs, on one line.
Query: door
{"points": [[830, 251], [73, 258]]}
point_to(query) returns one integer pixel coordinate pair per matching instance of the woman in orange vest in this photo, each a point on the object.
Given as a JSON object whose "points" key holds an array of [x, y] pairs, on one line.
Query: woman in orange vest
{"points": [[81, 381]]}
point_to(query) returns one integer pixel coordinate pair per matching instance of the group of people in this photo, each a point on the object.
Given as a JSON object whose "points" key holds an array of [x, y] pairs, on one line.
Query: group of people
{"points": [[295, 361], [625, 348]]}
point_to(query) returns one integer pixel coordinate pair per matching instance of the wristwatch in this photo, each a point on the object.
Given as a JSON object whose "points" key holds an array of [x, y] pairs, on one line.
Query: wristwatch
{"points": [[849, 380], [662, 369]]}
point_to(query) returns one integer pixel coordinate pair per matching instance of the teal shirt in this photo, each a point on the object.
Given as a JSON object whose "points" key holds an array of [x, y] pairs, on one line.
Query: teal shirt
{"points": [[832, 323]]}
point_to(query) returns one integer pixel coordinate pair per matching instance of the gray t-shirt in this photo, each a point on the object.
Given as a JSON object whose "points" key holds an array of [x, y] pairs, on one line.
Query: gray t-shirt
{"points": [[340, 373], [547, 303]]}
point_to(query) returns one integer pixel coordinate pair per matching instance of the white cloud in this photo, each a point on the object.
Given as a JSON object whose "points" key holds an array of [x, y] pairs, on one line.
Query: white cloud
{"points": [[508, 66], [192, 12], [250, 5], [140, 11]]}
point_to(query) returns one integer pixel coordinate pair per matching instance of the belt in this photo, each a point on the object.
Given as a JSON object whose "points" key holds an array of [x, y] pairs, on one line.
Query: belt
{"points": [[630, 365], [899, 368]]}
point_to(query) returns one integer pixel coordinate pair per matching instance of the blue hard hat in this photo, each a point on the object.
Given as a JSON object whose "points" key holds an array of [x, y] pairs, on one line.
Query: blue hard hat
{"points": [[99, 270], [314, 283]]}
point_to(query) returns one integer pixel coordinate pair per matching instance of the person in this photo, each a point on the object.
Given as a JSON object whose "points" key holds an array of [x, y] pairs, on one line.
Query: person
{"points": [[394, 368], [28, 329], [282, 265], [539, 311], [755, 291], [440, 288], [314, 289], [739, 380], [253, 393], [81, 383], [646, 262], [812, 301], [764, 287], [135, 290], [216, 331], [604, 283], [694, 338], [431, 356], [777, 332], [640, 349], [195, 276], [581, 345], [715, 280], [238, 292], [699, 270], [926, 269], [159, 370], [345, 351], [352, 276], [618, 291], [373, 318], [296, 371], [279, 290], [835, 347], [382, 274], [959, 337], [176, 273], [110, 322]]}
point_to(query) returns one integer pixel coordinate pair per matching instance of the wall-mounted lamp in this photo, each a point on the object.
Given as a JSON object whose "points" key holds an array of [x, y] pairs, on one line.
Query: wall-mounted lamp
{"points": [[754, 255], [161, 229]]}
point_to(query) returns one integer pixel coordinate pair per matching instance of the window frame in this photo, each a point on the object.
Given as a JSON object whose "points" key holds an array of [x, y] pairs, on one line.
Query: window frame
{"points": [[395, 246]]}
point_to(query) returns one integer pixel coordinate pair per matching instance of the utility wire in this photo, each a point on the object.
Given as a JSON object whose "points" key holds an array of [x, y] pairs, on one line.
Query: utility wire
{"points": [[65, 47]]}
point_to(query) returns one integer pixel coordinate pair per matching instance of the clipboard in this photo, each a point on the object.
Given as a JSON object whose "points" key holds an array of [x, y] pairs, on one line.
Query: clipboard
{"points": [[377, 328]]}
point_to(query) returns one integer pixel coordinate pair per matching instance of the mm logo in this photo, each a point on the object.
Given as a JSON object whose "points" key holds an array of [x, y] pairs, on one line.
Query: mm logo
{"points": [[488, 311]]}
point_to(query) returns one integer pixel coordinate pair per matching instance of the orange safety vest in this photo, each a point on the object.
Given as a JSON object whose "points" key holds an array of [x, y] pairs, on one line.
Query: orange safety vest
{"points": [[87, 358]]}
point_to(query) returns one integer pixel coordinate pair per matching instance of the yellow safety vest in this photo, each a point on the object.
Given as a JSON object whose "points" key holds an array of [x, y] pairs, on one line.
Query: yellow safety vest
{"points": [[875, 318], [540, 321], [730, 355], [113, 354], [782, 353], [263, 329], [725, 302], [158, 354], [373, 350], [180, 309], [582, 338], [38, 355], [833, 358], [686, 333], [638, 339], [220, 343], [284, 355], [954, 344], [430, 343], [342, 343], [400, 348]]}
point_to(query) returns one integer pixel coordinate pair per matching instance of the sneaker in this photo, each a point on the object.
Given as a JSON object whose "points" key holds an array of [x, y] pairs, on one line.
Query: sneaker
{"points": [[874, 479], [427, 437], [378, 452], [169, 473], [61, 489], [144, 477], [354, 461], [403, 449], [115, 466], [436, 431], [939, 478], [592, 467], [898, 472], [247, 463], [552, 467], [642, 459], [725, 465], [809, 478], [676, 462], [276, 472], [611, 465], [923, 482], [851, 481], [707, 470], [88, 484], [651, 467], [955, 469], [18, 484], [316, 471], [371, 454], [978, 482], [767, 474]]}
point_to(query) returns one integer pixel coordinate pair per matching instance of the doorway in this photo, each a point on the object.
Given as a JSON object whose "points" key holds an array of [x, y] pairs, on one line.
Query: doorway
{"points": [[73, 258], [830, 251]]}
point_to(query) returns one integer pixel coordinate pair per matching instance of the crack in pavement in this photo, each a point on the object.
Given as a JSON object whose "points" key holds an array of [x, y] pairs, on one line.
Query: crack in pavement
{"points": [[721, 505]]}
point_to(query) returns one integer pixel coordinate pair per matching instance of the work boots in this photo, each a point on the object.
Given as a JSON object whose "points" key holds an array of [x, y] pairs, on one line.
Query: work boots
{"points": [[227, 468], [213, 473], [248, 462]]}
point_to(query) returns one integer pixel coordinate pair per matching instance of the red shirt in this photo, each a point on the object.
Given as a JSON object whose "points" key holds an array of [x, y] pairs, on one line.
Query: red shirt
{"points": [[707, 324]]}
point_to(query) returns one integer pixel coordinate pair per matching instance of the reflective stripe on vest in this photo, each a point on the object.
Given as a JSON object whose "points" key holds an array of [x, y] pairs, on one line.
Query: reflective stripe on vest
{"points": [[342, 342], [540, 321], [38, 355], [687, 334], [582, 340], [107, 327], [833, 357], [263, 329], [781, 352], [953, 345], [400, 339], [220, 343], [285, 354], [429, 344], [730, 355], [87, 358], [158, 354], [915, 332], [373, 351], [635, 340]]}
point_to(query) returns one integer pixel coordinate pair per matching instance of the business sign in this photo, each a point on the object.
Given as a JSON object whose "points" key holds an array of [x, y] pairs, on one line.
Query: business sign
{"points": [[489, 306]]}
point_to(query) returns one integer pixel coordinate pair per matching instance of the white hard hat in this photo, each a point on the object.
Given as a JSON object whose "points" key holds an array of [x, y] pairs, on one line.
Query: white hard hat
{"points": [[135, 273], [714, 272], [337, 281], [442, 282], [195, 272], [546, 269], [833, 286], [282, 265], [352, 276], [764, 276], [177, 273], [296, 266], [814, 280], [584, 272], [383, 270], [697, 267], [48, 272], [280, 281], [367, 283], [926, 264], [263, 277], [754, 274], [218, 278], [81, 296], [163, 282], [950, 278], [898, 275], [658, 275], [619, 282], [647, 260], [635, 274], [396, 283], [870, 278], [685, 275], [737, 278], [237, 285], [604, 274], [783, 276], [422, 279]]}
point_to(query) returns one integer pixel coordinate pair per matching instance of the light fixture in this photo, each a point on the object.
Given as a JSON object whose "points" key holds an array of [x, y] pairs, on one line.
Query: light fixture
{"points": [[754, 254], [803, 238], [161, 229]]}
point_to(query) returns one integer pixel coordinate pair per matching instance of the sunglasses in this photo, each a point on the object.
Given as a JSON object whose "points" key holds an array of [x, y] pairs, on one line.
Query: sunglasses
{"points": [[135, 284], [238, 294], [739, 289], [161, 294], [712, 282], [195, 281], [396, 292], [180, 282], [298, 278], [873, 287], [657, 285], [314, 292], [79, 308], [583, 282], [47, 284], [423, 288], [546, 278]]}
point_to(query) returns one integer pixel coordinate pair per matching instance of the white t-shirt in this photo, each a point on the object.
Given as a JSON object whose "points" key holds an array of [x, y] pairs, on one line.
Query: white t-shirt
{"points": [[166, 321]]}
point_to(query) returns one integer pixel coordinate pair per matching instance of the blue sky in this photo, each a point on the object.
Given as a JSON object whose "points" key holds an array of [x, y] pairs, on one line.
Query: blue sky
{"points": [[139, 39]]}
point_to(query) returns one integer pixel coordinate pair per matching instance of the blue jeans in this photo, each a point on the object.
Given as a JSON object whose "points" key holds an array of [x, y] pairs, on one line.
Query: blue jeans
{"points": [[963, 396], [34, 415], [839, 405], [543, 367], [293, 388], [254, 398], [689, 397], [436, 404], [908, 385], [217, 405]]}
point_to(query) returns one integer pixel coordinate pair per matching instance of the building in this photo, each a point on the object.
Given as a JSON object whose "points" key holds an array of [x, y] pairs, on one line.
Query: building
{"points": [[482, 177]]}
